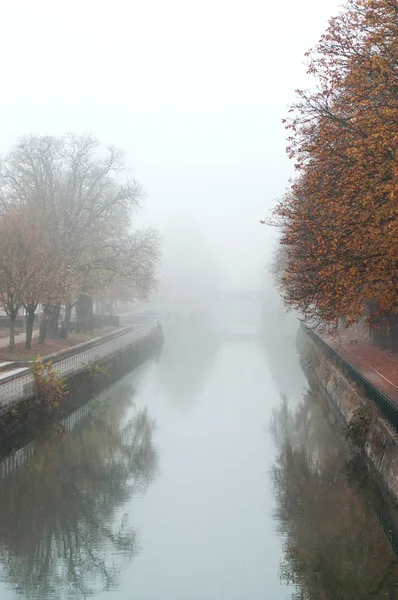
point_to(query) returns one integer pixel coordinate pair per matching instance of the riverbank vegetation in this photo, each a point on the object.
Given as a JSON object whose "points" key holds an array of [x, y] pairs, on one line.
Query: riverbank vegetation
{"points": [[338, 261], [67, 207], [48, 387]]}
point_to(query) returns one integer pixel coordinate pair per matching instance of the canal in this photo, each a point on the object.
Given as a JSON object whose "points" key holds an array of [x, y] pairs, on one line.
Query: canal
{"points": [[211, 472]]}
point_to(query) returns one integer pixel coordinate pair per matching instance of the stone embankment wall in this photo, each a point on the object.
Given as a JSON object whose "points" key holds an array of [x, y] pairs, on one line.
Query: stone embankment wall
{"points": [[345, 397], [27, 414]]}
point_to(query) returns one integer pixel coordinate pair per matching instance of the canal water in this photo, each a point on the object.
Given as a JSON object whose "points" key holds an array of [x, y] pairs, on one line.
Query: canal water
{"points": [[212, 472]]}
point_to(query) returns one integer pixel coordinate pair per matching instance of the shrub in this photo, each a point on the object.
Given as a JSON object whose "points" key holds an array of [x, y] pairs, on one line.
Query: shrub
{"points": [[49, 388], [357, 430], [97, 368]]}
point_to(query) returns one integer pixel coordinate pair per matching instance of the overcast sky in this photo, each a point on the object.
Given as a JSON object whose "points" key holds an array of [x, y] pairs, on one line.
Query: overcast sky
{"points": [[194, 92]]}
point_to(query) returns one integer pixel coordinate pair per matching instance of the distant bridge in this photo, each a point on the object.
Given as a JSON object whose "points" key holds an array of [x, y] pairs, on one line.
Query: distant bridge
{"points": [[240, 295]]}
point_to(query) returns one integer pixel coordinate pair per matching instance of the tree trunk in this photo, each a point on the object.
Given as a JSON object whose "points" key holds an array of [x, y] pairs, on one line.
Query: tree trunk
{"points": [[68, 314], [384, 337], [394, 334], [12, 334], [44, 325], [53, 331], [43, 330], [29, 326]]}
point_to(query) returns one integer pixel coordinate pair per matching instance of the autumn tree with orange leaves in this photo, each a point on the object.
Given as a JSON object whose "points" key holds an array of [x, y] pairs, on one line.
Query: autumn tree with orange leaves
{"points": [[340, 219]]}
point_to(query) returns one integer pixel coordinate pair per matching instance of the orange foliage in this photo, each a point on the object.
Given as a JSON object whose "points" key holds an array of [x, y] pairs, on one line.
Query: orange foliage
{"points": [[340, 221]]}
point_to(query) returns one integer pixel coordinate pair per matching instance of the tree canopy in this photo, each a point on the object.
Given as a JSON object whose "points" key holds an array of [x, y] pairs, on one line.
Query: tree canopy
{"points": [[67, 207], [340, 218]]}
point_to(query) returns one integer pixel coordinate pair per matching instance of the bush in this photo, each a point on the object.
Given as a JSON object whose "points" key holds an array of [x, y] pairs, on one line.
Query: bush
{"points": [[97, 368], [357, 430], [49, 388]]}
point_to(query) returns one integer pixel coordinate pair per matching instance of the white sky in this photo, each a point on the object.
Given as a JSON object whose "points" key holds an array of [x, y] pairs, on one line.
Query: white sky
{"points": [[194, 92]]}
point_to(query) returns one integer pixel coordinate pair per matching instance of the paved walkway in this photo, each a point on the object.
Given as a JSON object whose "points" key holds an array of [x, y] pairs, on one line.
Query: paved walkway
{"points": [[4, 341], [379, 366]]}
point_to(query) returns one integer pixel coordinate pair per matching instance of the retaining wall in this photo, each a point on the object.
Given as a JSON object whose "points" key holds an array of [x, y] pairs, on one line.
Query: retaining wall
{"points": [[345, 397], [124, 354]]}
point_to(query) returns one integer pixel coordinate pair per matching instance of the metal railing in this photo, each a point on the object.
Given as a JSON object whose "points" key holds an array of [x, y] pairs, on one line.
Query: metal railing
{"points": [[22, 387], [386, 406], [21, 457], [388, 530]]}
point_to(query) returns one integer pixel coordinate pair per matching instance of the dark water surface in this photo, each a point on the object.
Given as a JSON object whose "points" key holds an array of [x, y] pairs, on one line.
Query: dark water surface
{"points": [[213, 473]]}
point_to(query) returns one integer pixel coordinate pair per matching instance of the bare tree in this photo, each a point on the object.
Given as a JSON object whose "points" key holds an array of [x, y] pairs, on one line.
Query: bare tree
{"points": [[86, 199], [21, 260]]}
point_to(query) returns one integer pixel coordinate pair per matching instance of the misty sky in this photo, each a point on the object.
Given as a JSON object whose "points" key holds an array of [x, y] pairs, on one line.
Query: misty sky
{"points": [[194, 92]]}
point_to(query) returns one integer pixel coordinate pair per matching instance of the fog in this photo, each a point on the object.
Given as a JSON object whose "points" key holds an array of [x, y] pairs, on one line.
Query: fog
{"points": [[193, 93]]}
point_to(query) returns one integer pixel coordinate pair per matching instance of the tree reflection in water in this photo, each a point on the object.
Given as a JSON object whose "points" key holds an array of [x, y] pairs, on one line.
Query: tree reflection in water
{"points": [[62, 528], [334, 546]]}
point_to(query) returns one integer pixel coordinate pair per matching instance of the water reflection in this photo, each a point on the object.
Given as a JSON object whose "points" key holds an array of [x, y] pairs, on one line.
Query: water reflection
{"points": [[187, 359], [334, 546], [282, 356], [62, 527]]}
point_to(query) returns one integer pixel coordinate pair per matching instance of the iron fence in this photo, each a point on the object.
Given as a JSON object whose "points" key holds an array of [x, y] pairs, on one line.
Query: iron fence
{"points": [[21, 387], [388, 530], [21, 457], [386, 406]]}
